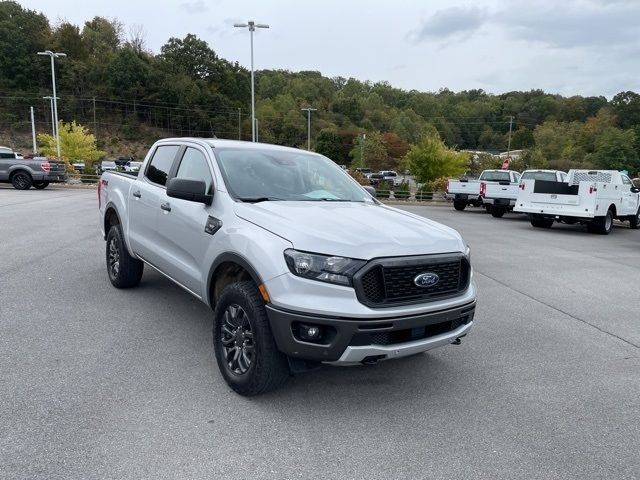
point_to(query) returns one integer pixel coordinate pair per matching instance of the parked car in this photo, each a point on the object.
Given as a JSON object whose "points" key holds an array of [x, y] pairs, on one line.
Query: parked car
{"points": [[78, 167], [590, 197], [23, 173], [132, 166], [236, 224], [105, 166], [375, 179], [365, 171], [122, 161], [465, 192], [390, 177]]}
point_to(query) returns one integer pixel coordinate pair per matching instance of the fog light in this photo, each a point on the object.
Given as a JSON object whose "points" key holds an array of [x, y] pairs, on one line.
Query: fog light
{"points": [[309, 332]]}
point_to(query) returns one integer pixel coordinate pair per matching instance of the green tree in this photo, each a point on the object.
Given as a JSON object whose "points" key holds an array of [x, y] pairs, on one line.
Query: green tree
{"points": [[369, 152], [615, 150], [431, 159], [328, 144], [76, 144], [626, 105]]}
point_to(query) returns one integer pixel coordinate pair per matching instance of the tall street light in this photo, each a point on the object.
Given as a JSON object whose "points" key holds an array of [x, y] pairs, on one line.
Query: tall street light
{"points": [[309, 110], [53, 120], [53, 56], [252, 28]]}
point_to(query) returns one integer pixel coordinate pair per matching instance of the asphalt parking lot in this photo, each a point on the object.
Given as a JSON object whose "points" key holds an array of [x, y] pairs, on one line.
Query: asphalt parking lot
{"points": [[101, 383]]}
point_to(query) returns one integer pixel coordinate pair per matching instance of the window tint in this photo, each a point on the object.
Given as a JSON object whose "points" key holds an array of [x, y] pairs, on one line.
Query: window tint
{"points": [[495, 176], [548, 176], [194, 165], [626, 180], [160, 164]]}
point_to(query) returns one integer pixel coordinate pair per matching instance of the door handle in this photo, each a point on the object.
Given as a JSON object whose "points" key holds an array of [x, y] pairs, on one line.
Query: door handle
{"points": [[137, 194], [166, 207]]}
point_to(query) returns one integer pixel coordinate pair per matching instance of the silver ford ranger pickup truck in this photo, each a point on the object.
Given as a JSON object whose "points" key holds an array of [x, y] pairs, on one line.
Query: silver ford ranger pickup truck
{"points": [[300, 264]]}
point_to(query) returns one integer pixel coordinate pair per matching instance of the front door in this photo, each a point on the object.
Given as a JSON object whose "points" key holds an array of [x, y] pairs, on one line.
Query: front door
{"points": [[181, 225]]}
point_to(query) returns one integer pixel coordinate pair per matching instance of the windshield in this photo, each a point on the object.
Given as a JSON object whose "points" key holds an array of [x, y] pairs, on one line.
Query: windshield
{"points": [[549, 176], [267, 174], [495, 176]]}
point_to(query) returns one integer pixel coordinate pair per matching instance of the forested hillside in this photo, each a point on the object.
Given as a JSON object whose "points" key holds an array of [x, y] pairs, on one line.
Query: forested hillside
{"points": [[129, 96]]}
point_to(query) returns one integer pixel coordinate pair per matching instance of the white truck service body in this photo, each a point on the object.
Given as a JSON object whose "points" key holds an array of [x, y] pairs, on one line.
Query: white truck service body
{"points": [[591, 197]]}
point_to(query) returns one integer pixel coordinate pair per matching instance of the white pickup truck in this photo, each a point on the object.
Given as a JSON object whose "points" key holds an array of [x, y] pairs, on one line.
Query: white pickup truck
{"points": [[465, 192], [590, 197], [501, 197]]}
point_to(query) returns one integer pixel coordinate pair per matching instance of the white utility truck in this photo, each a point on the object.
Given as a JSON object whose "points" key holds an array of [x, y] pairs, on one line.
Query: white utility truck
{"points": [[500, 197], [590, 197], [465, 192]]}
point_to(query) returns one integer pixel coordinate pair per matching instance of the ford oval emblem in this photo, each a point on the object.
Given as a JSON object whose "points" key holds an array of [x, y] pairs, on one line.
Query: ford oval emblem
{"points": [[426, 280]]}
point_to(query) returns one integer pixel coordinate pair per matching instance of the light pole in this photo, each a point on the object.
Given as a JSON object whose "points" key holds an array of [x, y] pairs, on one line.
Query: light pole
{"points": [[53, 120], [309, 110], [252, 28], [53, 56]]}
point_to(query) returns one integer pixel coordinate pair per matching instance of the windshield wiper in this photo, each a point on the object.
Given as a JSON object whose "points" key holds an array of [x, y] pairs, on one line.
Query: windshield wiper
{"points": [[258, 199]]}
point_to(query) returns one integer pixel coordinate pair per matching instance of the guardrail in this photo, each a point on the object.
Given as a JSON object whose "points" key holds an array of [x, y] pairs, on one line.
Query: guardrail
{"points": [[411, 196]]}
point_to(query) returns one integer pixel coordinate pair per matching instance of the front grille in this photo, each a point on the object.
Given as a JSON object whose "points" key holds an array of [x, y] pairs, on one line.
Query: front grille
{"points": [[391, 281]]}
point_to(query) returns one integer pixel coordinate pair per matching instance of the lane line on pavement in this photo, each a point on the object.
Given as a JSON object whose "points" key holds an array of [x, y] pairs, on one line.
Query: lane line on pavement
{"points": [[628, 342]]}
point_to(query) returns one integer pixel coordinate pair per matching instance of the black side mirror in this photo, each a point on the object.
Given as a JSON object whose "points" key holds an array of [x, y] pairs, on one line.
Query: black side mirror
{"points": [[370, 190], [189, 189], [635, 190]]}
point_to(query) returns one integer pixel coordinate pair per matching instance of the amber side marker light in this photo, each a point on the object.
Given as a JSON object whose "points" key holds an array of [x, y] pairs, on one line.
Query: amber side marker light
{"points": [[264, 293]]}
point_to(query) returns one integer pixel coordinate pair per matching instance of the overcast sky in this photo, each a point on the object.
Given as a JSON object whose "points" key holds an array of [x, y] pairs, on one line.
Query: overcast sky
{"points": [[585, 47]]}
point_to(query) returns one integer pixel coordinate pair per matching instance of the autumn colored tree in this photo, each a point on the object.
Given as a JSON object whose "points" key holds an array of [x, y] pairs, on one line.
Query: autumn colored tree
{"points": [[76, 144]]}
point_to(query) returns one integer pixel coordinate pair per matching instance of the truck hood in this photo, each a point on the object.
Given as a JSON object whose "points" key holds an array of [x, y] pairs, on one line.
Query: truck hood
{"points": [[355, 230]]}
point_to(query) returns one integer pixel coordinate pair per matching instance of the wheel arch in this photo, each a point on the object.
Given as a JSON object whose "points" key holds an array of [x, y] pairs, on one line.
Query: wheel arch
{"points": [[111, 217], [228, 267]]}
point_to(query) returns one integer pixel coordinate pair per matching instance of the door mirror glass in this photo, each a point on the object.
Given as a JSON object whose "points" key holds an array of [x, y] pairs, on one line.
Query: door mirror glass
{"points": [[190, 189], [635, 190]]}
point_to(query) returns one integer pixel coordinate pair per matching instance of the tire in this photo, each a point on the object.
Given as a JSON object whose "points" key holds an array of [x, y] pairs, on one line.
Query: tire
{"points": [[40, 185], [634, 221], [541, 222], [601, 225], [21, 180], [124, 271], [459, 205], [498, 212], [245, 349]]}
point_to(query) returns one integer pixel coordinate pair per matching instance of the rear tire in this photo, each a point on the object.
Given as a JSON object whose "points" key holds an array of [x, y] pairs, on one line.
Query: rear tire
{"points": [[541, 222], [21, 180], [634, 221], [245, 349], [124, 271], [498, 212], [459, 205], [40, 185], [601, 225]]}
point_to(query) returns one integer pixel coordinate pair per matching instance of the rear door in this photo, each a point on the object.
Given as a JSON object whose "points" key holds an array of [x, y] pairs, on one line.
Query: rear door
{"points": [[146, 194], [181, 225]]}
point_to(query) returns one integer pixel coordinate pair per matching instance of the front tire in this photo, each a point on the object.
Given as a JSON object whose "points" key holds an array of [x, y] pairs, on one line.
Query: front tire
{"points": [[21, 181], [40, 185], [459, 205], [634, 221], [245, 349], [124, 270]]}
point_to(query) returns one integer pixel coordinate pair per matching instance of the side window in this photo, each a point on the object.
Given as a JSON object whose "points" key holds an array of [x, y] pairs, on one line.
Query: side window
{"points": [[160, 164], [625, 180], [516, 177], [194, 165], [563, 177]]}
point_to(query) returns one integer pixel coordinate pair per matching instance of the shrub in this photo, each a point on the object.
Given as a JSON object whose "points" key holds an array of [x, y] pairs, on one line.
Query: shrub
{"points": [[425, 191], [382, 190], [402, 190]]}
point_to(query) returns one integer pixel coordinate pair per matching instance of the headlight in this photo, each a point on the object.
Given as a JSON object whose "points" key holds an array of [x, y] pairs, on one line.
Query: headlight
{"points": [[323, 268], [467, 251]]}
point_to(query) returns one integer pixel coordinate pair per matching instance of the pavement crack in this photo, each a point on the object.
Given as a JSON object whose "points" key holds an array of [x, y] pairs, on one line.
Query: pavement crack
{"points": [[558, 309]]}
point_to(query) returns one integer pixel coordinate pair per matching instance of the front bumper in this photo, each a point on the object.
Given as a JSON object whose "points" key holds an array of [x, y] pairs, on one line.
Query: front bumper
{"points": [[354, 340]]}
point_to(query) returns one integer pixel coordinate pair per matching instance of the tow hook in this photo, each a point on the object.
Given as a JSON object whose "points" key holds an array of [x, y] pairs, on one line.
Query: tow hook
{"points": [[457, 341]]}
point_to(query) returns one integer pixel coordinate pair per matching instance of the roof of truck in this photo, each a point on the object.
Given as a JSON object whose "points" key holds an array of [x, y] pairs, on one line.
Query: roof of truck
{"points": [[223, 143]]}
